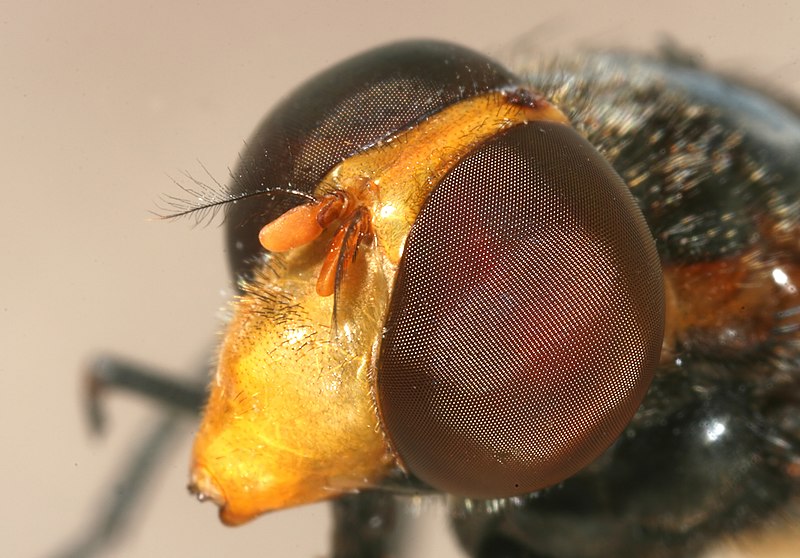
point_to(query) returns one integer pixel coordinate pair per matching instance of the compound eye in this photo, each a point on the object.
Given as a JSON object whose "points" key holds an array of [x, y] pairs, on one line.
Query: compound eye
{"points": [[526, 318]]}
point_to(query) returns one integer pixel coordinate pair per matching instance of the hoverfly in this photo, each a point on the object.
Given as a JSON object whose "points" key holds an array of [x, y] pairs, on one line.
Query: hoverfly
{"points": [[454, 278]]}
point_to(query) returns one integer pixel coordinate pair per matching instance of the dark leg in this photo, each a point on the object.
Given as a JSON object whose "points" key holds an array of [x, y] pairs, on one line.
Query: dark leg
{"points": [[365, 525], [181, 399], [113, 518], [112, 373]]}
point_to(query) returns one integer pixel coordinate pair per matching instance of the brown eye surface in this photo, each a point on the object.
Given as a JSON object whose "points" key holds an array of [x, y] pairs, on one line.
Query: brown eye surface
{"points": [[526, 318]]}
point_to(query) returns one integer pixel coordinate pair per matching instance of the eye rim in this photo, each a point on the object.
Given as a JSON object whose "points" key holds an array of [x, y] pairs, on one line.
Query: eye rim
{"points": [[396, 423]]}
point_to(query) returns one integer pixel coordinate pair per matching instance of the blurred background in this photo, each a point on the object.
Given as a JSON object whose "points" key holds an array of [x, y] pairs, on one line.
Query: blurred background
{"points": [[100, 105]]}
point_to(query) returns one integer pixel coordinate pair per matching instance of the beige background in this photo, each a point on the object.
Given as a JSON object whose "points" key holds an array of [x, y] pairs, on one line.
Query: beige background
{"points": [[99, 105]]}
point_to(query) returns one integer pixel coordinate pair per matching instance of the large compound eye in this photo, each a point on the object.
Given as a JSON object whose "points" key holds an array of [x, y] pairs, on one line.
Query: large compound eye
{"points": [[526, 318]]}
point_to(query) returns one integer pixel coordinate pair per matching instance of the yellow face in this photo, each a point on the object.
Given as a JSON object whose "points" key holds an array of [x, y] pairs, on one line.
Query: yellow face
{"points": [[290, 418]]}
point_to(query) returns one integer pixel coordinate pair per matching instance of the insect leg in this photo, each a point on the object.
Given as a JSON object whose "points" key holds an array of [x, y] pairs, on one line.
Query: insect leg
{"points": [[115, 373], [365, 525], [180, 398]]}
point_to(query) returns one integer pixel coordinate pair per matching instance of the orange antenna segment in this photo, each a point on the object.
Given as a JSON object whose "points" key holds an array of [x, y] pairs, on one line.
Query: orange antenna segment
{"points": [[297, 227]]}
